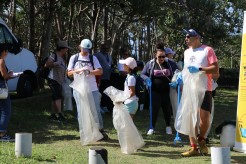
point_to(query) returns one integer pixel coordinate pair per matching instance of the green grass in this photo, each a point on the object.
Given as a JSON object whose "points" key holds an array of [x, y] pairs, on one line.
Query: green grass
{"points": [[54, 142]]}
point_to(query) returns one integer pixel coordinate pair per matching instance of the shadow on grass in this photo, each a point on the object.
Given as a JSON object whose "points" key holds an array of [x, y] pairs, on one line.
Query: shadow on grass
{"points": [[238, 159], [108, 143], [158, 153], [44, 138], [41, 159]]}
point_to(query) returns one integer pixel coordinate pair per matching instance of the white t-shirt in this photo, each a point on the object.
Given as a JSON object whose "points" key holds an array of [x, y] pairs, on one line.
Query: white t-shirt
{"points": [[130, 81], [84, 62], [201, 57]]}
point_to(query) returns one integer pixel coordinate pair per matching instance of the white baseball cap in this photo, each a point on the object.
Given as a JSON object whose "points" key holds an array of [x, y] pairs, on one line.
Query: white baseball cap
{"points": [[86, 45], [130, 62]]}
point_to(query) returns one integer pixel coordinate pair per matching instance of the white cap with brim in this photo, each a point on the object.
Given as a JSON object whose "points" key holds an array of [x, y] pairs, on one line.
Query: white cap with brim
{"points": [[86, 50], [130, 62], [86, 45]]}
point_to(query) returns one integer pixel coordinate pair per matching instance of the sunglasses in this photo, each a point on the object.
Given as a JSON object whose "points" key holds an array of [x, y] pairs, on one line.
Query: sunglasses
{"points": [[159, 57], [188, 36]]}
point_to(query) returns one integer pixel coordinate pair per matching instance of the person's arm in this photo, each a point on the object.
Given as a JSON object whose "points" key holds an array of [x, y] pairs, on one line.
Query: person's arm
{"points": [[51, 63], [144, 71], [212, 69], [131, 90], [70, 67], [70, 73], [6, 75], [97, 72], [216, 76]]}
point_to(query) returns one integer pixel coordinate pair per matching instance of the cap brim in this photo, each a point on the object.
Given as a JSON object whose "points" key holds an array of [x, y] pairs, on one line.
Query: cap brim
{"points": [[184, 31], [86, 50], [122, 61]]}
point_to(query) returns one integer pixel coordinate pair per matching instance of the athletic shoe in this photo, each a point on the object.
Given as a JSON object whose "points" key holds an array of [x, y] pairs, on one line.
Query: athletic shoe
{"points": [[191, 152], [150, 132], [105, 109], [53, 117], [61, 117], [203, 147], [169, 130], [6, 138], [102, 111]]}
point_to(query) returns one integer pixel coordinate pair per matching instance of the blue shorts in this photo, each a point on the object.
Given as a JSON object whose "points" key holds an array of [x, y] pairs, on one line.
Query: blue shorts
{"points": [[132, 107]]}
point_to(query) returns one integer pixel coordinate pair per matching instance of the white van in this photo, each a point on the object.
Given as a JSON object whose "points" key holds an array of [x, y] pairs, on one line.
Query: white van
{"points": [[19, 59]]}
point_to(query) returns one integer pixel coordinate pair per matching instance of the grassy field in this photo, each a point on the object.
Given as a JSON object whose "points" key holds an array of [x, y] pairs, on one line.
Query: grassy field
{"points": [[55, 142]]}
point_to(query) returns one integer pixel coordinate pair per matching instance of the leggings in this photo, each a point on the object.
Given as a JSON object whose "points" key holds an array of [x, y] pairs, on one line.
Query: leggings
{"points": [[161, 100]]}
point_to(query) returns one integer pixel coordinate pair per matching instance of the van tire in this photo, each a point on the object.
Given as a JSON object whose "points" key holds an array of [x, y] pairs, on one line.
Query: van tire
{"points": [[25, 86]]}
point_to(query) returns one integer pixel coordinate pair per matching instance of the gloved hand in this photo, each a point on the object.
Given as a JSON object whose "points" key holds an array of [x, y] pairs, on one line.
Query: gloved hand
{"points": [[173, 84], [148, 82], [86, 72], [193, 69], [179, 79]]}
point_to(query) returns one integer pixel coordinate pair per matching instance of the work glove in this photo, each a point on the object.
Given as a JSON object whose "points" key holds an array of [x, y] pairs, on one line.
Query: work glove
{"points": [[173, 84], [193, 69], [179, 80], [148, 82]]}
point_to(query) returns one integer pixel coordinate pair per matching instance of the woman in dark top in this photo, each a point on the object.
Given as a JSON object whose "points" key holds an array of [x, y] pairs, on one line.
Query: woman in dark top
{"points": [[159, 71], [5, 104]]}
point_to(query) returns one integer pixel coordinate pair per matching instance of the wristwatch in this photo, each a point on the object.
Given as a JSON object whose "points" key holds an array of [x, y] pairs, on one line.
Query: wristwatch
{"points": [[200, 69]]}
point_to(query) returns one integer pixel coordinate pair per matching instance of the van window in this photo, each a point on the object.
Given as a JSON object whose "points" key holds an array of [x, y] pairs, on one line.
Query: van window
{"points": [[5, 36]]}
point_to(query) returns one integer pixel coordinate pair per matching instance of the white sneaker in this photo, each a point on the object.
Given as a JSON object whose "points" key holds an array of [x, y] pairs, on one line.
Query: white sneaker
{"points": [[169, 130], [150, 132]]}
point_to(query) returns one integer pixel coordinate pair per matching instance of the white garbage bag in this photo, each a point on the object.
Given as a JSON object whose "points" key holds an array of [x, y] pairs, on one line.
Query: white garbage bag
{"points": [[67, 95], [87, 115], [129, 137], [192, 97], [174, 95]]}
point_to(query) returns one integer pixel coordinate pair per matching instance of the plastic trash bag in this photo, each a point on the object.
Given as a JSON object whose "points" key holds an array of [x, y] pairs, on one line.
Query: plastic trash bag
{"points": [[67, 95], [129, 138], [192, 97], [87, 115], [174, 95]]}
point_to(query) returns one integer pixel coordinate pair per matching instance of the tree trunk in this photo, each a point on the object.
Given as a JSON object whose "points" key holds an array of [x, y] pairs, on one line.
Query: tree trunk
{"points": [[105, 24], [147, 56], [46, 35], [94, 25], [13, 15], [31, 40]]}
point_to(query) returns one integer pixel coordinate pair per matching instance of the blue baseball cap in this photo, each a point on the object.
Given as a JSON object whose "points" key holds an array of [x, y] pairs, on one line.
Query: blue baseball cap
{"points": [[190, 32], [169, 51]]}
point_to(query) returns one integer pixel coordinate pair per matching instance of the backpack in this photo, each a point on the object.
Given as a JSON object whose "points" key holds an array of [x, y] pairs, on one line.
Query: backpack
{"points": [[44, 71], [139, 88], [90, 57], [92, 63]]}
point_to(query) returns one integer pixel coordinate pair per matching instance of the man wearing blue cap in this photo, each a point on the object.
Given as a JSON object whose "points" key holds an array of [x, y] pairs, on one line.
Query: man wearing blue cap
{"points": [[200, 62]]}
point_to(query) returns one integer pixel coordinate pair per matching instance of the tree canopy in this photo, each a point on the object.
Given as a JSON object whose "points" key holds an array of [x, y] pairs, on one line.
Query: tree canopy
{"points": [[136, 24]]}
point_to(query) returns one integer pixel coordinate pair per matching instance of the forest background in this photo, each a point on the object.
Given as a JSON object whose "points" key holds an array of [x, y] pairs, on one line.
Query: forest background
{"points": [[136, 24]]}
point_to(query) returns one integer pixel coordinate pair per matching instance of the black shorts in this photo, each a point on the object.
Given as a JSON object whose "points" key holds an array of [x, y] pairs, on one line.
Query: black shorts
{"points": [[207, 101], [56, 89]]}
